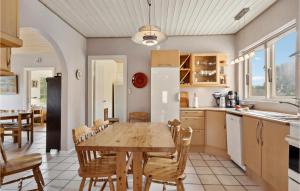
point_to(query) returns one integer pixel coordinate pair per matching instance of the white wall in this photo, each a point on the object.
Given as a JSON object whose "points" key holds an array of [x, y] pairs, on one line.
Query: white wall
{"points": [[71, 49], [139, 61], [18, 64], [282, 12]]}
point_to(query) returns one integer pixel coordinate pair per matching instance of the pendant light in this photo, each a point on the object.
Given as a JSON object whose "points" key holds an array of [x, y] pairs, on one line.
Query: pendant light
{"points": [[149, 35]]}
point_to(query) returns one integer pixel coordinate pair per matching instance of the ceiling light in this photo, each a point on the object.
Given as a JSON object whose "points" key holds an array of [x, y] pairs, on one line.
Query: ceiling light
{"points": [[149, 35], [241, 13]]}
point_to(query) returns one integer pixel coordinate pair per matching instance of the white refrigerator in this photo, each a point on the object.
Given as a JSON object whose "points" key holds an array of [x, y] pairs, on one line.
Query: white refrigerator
{"points": [[165, 104]]}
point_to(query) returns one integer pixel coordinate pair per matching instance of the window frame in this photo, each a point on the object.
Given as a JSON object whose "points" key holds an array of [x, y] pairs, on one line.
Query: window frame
{"points": [[270, 76]]}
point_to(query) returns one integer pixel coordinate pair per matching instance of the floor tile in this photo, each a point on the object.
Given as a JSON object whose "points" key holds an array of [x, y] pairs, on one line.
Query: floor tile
{"points": [[203, 170], [244, 180], [195, 156], [193, 187], [67, 175], [55, 185], [254, 188], [190, 170], [197, 162], [213, 163], [235, 171], [228, 164], [220, 170], [208, 157], [214, 188], [209, 179], [235, 188], [227, 180], [192, 179]]}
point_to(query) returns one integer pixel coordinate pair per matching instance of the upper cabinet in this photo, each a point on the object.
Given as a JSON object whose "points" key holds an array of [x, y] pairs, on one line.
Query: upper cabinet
{"points": [[9, 29], [165, 58], [203, 70]]}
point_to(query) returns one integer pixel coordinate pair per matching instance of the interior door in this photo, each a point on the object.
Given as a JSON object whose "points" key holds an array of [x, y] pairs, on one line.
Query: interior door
{"points": [[251, 144], [275, 154]]}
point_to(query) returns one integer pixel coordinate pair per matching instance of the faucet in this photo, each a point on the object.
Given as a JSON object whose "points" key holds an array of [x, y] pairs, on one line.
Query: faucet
{"points": [[296, 105]]}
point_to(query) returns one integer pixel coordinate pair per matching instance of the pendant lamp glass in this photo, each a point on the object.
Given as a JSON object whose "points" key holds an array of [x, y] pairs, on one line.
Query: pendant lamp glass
{"points": [[149, 35]]}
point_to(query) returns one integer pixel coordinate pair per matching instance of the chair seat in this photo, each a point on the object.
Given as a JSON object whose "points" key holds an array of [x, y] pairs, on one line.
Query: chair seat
{"points": [[22, 163], [98, 168], [162, 171]]}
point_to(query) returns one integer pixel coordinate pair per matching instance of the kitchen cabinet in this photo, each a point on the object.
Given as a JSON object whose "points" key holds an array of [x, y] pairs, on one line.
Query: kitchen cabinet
{"points": [[9, 29], [251, 145], [275, 154], [215, 130], [265, 151], [165, 58], [5, 55], [195, 120]]}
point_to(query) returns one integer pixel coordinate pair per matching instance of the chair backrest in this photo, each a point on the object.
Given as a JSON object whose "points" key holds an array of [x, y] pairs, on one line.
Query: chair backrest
{"points": [[2, 152], [99, 125], [28, 117], [80, 135], [138, 117], [105, 114], [186, 136]]}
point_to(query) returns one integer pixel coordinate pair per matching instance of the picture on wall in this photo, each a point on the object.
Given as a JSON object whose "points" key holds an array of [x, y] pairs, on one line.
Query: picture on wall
{"points": [[8, 85], [35, 83]]}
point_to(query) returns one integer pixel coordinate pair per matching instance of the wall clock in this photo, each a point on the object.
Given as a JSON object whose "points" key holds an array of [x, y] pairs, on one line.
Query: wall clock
{"points": [[139, 80]]}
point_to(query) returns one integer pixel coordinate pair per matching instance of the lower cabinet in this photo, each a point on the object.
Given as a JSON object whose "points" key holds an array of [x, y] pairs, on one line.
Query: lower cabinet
{"points": [[195, 120], [265, 151], [275, 154], [216, 129]]}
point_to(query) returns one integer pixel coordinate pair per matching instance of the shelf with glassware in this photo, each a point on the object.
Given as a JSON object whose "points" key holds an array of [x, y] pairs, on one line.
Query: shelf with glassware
{"points": [[207, 70]]}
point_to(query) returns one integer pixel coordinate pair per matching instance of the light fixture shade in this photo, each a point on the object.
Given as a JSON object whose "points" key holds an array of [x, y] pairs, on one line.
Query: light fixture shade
{"points": [[149, 35]]}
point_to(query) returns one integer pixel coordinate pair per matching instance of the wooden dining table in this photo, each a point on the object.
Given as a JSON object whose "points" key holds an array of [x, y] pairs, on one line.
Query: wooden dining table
{"points": [[136, 138]]}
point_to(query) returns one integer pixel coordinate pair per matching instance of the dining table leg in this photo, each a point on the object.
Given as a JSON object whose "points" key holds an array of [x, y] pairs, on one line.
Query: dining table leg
{"points": [[121, 171], [137, 171]]}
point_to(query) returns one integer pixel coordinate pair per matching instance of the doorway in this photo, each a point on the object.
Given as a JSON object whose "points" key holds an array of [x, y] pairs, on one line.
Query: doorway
{"points": [[107, 83]]}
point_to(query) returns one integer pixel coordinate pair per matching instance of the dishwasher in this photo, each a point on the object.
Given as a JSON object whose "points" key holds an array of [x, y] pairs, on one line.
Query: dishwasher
{"points": [[234, 138]]}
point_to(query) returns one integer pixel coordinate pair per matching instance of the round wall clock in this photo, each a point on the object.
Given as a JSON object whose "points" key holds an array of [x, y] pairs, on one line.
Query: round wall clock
{"points": [[139, 80], [78, 74]]}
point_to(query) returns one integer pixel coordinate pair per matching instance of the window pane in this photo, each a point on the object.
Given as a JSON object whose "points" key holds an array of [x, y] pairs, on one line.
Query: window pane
{"points": [[258, 73], [285, 65]]}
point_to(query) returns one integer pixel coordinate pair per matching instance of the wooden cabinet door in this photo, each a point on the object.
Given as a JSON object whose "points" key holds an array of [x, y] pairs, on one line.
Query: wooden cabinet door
{"points": [[216, 130], [197, 124], [165, 58], [251, 145], [275, 154]]}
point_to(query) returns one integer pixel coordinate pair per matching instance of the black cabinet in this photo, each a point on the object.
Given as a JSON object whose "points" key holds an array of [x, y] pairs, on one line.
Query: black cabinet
{"points": [[53, 113]]}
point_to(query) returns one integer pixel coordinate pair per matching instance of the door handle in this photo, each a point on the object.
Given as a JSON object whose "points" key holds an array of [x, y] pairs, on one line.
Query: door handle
{"points": [[261, 135], [257, 126]]}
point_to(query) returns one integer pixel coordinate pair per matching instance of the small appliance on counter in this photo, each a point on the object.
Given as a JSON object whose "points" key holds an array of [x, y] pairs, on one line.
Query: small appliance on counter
{"points": [[232, 99], [196, 101], [219, 98]]}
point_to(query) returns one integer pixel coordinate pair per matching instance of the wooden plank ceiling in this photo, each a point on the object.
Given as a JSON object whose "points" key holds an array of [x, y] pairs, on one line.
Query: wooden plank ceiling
{"points": [[122, 18]]}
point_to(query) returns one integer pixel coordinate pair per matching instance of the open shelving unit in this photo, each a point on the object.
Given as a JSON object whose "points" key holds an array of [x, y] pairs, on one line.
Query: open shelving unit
{"points": [[185, 69], [203, 70]]}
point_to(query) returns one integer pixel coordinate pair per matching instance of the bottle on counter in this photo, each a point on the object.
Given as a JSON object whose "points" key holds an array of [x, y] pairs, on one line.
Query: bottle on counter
{"points": [[196, 100], [237, 98]]}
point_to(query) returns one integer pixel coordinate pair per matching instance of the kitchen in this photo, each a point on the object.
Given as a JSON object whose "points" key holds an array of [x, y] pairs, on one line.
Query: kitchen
{"points": [[222, 68]]}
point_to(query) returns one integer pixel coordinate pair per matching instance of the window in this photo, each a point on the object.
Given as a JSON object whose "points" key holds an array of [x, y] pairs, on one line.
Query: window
{"points": [[284, 66], [269, 69], [257, 73], [43, 92]]}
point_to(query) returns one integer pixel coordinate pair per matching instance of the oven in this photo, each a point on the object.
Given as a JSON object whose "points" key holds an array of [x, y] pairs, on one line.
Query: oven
{"points": [[294, 163]]}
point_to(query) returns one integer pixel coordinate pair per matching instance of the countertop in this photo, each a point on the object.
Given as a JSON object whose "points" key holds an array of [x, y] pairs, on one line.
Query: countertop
{"points": [[266, 115]]}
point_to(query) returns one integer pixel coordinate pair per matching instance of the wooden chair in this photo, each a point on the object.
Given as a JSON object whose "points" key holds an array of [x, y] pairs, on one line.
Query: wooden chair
{"points": [[138, 117], [16, 129], [38, 115], [21, 164], [91, 165], [175, 131], [168, 171], [99, 125]]}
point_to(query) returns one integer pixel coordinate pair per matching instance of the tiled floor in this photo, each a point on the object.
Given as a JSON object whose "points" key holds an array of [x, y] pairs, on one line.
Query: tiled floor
{"points": [[204, 172]]}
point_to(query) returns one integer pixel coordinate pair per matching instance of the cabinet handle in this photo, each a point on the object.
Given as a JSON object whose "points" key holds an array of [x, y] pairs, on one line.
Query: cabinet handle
{"points": [[257, 138], [261, 135]]}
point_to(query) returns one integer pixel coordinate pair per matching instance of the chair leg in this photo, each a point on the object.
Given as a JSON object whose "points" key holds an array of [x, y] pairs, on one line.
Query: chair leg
{"points": [[27, 136], [37, 179], [148, 183], [82, 184], [111, 184], [103, 186], [19, 138], [180, 186], [31, 138], [91, 184], [41, 177]]}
